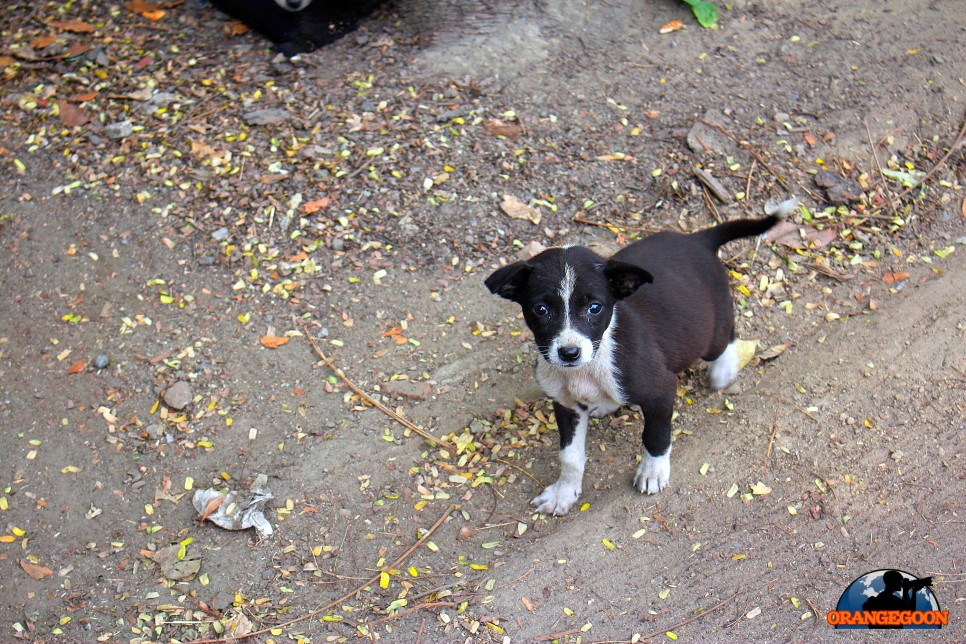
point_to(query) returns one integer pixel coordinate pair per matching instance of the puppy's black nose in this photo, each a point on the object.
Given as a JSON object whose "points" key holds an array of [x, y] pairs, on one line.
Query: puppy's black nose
{"points": [[569, 354]]}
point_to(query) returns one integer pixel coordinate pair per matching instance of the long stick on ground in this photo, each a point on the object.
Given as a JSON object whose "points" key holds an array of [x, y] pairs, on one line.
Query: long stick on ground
{"points": [[366, 397], [321, 609], [688, 621]]}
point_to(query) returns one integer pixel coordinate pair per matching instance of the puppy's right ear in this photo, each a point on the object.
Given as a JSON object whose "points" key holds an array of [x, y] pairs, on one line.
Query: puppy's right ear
{"points": [[625, 278], [507, 282]]}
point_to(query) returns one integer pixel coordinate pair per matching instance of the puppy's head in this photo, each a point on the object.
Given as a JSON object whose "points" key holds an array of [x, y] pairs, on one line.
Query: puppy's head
{"points": [[568, 297]]}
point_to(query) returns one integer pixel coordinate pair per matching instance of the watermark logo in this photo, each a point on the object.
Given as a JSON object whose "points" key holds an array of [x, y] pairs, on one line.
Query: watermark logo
{"points": [[888, 599]]}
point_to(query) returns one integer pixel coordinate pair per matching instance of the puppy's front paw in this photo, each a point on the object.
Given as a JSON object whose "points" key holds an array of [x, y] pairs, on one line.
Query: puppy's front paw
{"points": [[558, 498], [653, 474]]}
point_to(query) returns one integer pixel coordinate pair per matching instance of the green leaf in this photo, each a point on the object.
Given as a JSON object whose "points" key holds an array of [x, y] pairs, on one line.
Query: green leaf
{"points": [[705, 12]]}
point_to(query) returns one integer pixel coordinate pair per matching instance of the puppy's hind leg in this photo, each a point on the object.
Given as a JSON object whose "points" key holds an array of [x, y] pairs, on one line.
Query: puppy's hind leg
{"points": [[559, 497], [724, 369]]}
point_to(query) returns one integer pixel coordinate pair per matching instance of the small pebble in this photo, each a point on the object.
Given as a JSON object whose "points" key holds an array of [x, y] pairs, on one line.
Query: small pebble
{"points": [[101, 361], [178, 395]]}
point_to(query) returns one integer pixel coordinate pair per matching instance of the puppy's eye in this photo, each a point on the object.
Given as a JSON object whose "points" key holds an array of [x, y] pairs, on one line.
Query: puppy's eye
{"points": [[541, 310], [596, 308]]}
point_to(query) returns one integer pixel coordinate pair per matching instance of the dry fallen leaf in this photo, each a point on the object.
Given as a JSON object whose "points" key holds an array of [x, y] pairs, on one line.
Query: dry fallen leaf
{"points": [[515, 208], [213, 505], [760, 489], [82, 98], [236, 28], [963, 208], [76, 49], [145, 9], [496, 127], [35, 571], [746, 351], [75, 26], [312, 207], [273, 341], [668, 27], [77, 367], [894, 278], [42, 41], [71, 115]]}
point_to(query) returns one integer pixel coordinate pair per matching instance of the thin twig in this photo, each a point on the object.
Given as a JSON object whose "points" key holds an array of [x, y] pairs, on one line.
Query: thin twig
{"points": [[875, 158], [957, 143], [556, 636], [321, 609], [579, 218], [774, 430], [745, 144], [366, 397], [517, 467], [419, 633], [688, 621], [751, 172]]}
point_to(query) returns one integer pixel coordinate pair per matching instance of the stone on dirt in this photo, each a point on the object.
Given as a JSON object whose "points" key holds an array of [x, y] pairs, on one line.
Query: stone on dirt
{"points": [[178, 396]]}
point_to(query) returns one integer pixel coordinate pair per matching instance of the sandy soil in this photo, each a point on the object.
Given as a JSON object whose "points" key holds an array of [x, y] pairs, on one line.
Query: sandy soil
{"points": [[849, 424]]}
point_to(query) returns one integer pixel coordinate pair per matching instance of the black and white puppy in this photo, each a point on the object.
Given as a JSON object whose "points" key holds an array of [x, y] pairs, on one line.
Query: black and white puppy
{"points": [[299, 26], [614, 332]]}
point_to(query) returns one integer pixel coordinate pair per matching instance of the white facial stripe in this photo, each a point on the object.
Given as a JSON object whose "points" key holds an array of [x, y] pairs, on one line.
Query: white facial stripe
{"points": [[568, 336], [567, 290]]}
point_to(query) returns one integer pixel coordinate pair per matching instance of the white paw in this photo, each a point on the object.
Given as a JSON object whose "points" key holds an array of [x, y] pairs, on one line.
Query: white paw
{"points": [[724, 369], [653, 474], [557, 498]]}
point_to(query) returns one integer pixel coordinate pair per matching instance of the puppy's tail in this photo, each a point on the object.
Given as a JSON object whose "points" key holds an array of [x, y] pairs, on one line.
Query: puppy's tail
{"points": [[730, 230]]}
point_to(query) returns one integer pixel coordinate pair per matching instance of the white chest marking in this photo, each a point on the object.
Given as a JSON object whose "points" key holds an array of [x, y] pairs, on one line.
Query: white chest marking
{"points": [[595, 384]]}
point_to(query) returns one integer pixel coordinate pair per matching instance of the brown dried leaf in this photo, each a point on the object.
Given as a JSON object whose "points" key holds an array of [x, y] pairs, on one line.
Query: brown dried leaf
{"points": [[77, 367], [213, 505], [312, 207], [74, 26], [76, 49], [236, 28], [516, 209], [894, 278], [82, 98], [45, 40], [145, 9], [496, 127], [71, 115], [668, 27], [35, 571], [273, 342]]}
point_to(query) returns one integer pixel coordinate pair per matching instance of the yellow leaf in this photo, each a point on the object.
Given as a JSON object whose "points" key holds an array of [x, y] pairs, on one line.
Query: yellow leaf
{"points": [[608, 544], [760, 489], [384, 580], [746, 351]]}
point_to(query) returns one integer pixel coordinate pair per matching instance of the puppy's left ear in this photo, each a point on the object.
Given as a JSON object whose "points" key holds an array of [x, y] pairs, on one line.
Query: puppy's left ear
{"points": [[507, 282], [625, 278]]}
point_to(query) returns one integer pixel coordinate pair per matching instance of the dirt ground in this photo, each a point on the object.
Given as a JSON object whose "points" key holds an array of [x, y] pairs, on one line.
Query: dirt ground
{"points": [[181, 211]]}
